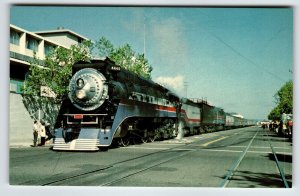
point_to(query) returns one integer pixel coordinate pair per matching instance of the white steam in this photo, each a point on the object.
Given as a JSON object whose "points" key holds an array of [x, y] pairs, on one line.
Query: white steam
{"points": [[173, 83]]}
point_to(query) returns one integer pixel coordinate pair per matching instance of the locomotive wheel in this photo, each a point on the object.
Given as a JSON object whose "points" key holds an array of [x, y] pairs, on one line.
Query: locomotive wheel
{"points": [[124, 141]]}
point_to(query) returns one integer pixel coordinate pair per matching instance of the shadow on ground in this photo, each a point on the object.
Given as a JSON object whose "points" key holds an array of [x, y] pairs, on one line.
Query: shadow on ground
{"points": [[246, 179]]}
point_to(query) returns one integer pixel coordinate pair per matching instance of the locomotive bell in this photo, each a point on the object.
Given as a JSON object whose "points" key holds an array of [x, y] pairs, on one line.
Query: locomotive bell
{"points": [[87, 89]]}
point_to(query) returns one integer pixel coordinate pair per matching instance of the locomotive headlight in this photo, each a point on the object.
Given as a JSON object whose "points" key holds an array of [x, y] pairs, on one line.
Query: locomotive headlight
{"points": [[80, 83], [80, 94]]}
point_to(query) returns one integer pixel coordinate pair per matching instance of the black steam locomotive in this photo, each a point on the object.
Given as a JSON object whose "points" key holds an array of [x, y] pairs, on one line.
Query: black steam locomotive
{"points": [[109, 104]]}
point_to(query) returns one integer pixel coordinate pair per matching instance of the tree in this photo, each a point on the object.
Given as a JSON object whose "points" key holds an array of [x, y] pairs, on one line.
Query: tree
{"points": [[284, 101], [274, 114], [57, 70], [54, 74], [125, 57]]}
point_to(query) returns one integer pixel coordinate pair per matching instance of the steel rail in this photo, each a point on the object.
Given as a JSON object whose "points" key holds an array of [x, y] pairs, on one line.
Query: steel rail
{"points": [[120, 162], [155, 165], [75, 176], [236, 164], [286, 185], [147, 168], [80, 175]]}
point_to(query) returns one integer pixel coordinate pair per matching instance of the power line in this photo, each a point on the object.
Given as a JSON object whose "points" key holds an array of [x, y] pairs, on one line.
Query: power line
{"points": [[246, 58], [239, 53], [186, 88]]}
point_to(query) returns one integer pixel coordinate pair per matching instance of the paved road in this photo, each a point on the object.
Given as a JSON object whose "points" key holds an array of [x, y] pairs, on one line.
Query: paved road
{"points": [[232, 158]]}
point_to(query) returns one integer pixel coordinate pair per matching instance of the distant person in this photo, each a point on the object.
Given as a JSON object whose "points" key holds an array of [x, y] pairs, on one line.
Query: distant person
{"points": [[48, 132], [272, 126], [43, 134], [280, 130], [290, 128], [35, 133]]}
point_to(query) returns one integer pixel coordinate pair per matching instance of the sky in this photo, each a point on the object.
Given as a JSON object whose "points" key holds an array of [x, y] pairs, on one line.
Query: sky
{"points": [[236, 58]]}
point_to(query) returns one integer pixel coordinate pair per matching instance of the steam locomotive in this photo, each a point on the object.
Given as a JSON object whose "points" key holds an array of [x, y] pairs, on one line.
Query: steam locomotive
{"points": [[107, 104]]}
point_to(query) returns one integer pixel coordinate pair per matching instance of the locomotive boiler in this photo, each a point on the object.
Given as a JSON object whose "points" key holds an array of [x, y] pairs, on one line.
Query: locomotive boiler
{"points": [[107, 103]]}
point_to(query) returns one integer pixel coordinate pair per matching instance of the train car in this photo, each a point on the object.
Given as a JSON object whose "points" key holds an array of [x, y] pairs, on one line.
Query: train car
{"points": [[237, 121], [212, 118], [107, 103], [190, 117], [219, 118], [229, 121]]}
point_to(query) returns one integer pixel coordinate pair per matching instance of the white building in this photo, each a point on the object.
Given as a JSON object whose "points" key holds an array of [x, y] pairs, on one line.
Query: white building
{"points": [[62, 36], [23, 45]]}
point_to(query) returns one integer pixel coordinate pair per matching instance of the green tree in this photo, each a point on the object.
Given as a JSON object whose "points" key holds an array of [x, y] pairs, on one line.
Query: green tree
{"points": [[274, 114], [57, 70], [125, 57], [284, 101], [54, 74]]}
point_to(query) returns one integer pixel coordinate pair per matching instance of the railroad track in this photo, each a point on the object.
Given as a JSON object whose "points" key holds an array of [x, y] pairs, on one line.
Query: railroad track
{"points": [[110, 175], [117, 172], [237, 162]]}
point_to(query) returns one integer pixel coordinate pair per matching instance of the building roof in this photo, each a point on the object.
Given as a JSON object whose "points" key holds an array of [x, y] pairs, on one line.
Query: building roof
{"points": [[35, 35], [61, 30]]}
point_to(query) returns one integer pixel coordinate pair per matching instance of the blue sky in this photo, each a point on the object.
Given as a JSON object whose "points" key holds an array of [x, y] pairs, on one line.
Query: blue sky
{"points": [[236, 58]]}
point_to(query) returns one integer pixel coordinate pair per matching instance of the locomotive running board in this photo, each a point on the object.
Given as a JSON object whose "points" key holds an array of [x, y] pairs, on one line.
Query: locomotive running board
{"points": [[87, 141]]}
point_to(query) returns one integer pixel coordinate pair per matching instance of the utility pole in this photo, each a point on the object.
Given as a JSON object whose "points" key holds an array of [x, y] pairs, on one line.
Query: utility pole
{"points": [[186, 89], [144, 36]]}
